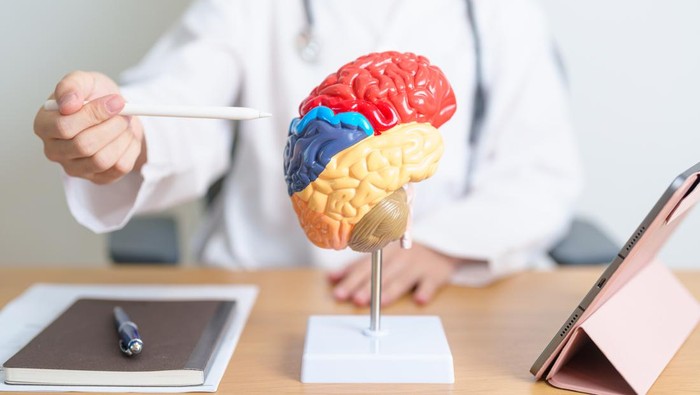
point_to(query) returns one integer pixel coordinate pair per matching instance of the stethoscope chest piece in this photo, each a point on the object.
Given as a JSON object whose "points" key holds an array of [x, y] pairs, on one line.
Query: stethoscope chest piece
{"points": [[308, 47]]}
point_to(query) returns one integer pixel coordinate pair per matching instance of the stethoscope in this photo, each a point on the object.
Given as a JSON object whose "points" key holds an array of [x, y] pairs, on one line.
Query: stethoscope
{"points": [[307, 44], [309, 50]]}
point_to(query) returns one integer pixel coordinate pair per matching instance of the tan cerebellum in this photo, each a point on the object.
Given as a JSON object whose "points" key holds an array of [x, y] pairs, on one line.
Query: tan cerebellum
{"points": [[358, 178], [383, 224]]}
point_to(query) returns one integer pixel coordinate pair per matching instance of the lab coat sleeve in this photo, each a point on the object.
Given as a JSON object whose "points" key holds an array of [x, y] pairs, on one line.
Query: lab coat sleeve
{"points": [[527, 172], [195, 63]]}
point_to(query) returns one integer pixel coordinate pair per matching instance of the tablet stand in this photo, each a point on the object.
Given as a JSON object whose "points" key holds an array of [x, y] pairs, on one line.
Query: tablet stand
{"points": [[622, 347], [393, 349]]}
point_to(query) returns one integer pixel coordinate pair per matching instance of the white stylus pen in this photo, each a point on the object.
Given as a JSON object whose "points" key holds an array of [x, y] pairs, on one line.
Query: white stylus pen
{"points": [[156, 110]]}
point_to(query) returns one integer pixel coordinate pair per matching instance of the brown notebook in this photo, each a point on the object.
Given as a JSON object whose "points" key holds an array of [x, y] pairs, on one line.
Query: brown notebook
{"points": [[81, 346]]}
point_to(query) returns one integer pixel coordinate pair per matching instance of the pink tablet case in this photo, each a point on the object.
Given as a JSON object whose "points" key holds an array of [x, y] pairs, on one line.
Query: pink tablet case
{"points": [[624, 345], [635, 325]]}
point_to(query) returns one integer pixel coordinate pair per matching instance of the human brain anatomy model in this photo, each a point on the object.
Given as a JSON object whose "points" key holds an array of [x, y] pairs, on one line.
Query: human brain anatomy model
{"points": [[363, 135]]}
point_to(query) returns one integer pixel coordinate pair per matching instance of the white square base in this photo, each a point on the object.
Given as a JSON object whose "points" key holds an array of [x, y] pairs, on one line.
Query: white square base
{"points": [[411, 349]]}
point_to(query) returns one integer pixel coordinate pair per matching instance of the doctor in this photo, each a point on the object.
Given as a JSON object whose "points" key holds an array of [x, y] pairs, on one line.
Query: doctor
{"points": [[503, 193]]}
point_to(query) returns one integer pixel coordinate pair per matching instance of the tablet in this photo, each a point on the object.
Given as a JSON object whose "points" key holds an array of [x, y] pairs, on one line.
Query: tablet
{"points": [[640, 249]]}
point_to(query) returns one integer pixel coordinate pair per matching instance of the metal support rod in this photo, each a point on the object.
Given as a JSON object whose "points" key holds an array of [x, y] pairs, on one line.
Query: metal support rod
{"points": [[376, 298]]}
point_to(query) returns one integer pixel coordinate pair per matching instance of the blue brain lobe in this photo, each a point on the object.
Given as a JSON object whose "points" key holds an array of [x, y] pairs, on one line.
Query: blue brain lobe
{"points": [[310, 148]]}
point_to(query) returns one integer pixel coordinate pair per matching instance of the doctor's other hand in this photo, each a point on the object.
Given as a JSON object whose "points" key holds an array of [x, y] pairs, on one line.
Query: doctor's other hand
{"points": [[91, 140], [420, 269]]}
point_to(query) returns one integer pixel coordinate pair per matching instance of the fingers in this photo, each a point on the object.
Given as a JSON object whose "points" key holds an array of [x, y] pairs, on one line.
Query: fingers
{"points": [[53, 125], [402, 283], [356, 286], [426, 290], [438, 273], [392, 268], [65, 127], [72, 90], [102, 160], [420, 269], [102, 153], [124, 165], [88, 142], [335, 276], [353, 281], [357, 275]]}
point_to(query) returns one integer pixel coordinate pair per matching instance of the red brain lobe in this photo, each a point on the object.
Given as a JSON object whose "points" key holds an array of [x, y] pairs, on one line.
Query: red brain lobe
{"points": [[388, 88]]}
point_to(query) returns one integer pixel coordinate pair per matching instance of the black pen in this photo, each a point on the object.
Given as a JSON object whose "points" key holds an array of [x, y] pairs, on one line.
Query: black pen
{"points": [[129, 340]]}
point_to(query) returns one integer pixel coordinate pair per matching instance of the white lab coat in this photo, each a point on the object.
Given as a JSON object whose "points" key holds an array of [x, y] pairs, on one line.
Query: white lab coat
{"points": [[526, 174]]}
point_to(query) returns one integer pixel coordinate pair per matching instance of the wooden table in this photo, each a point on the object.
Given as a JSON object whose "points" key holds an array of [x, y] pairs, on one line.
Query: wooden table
{"points": [[495, 333]]}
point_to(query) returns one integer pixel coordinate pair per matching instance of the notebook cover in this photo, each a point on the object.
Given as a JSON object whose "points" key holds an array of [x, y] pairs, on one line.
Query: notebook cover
{"points": [[176, 335]]}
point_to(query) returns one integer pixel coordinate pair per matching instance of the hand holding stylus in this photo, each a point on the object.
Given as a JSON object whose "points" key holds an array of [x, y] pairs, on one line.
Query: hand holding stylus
{"points": [[87, 126], [92, 140]]}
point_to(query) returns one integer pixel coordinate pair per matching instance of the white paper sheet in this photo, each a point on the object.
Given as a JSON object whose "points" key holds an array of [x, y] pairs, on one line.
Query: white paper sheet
{"points": [[27, 315]]}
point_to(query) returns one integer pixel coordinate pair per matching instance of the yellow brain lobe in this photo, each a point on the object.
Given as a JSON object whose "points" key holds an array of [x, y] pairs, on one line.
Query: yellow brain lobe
{"points": [[358, 178]]}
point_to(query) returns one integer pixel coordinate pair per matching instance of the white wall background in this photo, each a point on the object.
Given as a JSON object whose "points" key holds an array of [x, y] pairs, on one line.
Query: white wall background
{"points": [[633, 67], [634, 71], [40, 41]]}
